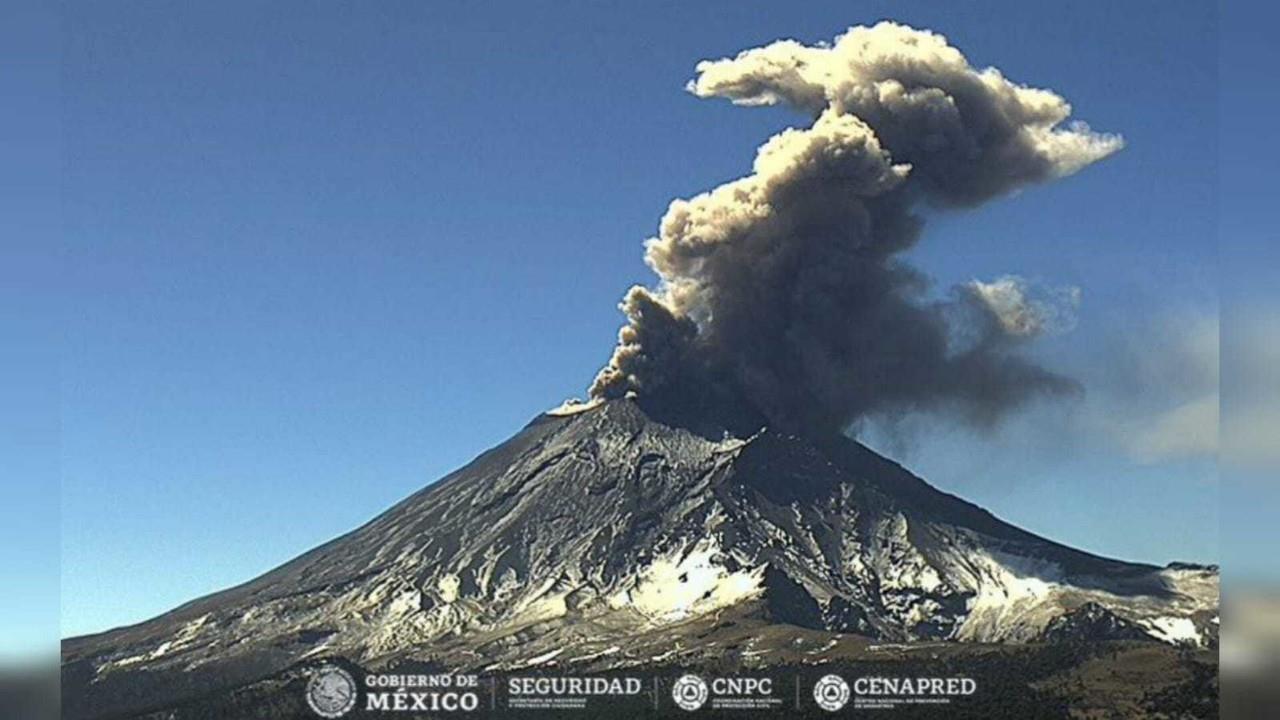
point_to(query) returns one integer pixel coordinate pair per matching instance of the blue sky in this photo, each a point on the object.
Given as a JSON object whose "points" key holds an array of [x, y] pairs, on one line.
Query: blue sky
{"points": [[29, 282], [314, 258]]}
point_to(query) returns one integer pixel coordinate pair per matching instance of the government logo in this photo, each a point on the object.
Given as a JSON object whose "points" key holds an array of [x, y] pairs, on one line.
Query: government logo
{"points": [[689, 692], [331, 692], [831, 693]]}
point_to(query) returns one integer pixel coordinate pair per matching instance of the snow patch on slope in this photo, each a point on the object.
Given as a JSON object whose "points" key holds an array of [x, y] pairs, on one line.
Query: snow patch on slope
{"points": [[448, 588], [1174, 630], [573, 406], [1012, 596], [689, 582], [185, 637]]}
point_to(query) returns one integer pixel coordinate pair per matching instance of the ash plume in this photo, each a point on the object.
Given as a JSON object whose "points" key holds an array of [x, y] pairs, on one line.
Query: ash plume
{"points": [[787, 286]]}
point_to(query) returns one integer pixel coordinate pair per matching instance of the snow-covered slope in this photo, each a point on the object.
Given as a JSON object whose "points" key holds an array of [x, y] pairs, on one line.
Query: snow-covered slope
{"points": [[603, 526]]}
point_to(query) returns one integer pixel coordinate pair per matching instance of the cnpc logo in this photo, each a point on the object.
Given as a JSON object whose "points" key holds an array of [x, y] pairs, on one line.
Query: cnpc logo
{"points": [[689, 692]]}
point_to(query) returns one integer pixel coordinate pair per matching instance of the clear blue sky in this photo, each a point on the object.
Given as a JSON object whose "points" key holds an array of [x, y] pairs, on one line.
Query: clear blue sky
{"points": [[29, 282], [314, 257]]}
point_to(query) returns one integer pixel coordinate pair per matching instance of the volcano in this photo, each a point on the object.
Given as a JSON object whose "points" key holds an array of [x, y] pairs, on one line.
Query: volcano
{"points": [[611, 535]]}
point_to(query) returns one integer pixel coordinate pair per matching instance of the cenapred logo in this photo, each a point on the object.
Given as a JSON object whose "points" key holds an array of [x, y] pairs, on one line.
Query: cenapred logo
{"points": [[331, 692], [689, 692], [831, 693]]}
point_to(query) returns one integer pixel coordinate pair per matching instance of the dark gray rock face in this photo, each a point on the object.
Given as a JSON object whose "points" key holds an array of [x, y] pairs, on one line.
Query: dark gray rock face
{"points": [[608, 538], [1089, 623]]}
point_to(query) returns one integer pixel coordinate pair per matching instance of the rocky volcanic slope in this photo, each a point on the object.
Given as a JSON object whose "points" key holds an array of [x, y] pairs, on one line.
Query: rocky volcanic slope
{"points": [[607, 539]]}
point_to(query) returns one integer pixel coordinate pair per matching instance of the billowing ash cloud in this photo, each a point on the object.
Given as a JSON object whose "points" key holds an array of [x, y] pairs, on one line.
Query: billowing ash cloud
{"points": [[787, 285]]}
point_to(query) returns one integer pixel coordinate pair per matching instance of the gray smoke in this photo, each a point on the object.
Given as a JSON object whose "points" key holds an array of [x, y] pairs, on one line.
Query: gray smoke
{"points": [[787, 285]]}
